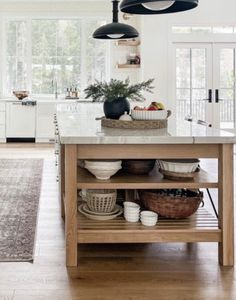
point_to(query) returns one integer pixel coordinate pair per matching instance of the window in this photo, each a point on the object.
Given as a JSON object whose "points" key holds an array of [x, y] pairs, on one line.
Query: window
{"points": [[16, 55], [56, 51]]}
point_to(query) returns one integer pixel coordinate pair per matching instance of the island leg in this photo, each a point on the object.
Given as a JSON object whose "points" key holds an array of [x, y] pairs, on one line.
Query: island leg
{"points": [[226, 205], [71, 204], [62, 180]]}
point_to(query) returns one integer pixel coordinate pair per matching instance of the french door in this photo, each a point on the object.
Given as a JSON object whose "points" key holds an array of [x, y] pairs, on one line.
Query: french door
{"points": [[205, 89]]}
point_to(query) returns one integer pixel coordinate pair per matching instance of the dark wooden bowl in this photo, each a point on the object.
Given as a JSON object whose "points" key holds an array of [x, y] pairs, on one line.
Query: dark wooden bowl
{"points": [[138, 166]]}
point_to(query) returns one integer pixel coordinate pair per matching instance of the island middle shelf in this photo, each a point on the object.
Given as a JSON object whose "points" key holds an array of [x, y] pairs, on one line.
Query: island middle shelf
{"points": [[154, 180]]}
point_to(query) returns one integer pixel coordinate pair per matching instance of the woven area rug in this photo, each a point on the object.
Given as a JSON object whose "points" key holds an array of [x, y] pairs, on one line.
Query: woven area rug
{"points": [[20, 185]]}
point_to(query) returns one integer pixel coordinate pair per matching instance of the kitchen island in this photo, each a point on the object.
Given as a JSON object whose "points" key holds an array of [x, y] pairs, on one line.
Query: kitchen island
{"points": [[82, 137]]}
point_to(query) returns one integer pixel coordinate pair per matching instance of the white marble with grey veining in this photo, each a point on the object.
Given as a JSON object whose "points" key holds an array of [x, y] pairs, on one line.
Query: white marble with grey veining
{"points": [[78, 125]]}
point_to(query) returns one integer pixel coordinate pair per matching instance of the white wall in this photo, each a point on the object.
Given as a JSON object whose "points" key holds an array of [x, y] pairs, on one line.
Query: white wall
{"points": [[155, 40]]}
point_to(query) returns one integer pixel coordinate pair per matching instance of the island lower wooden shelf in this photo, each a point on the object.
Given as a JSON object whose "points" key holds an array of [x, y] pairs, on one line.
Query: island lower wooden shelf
{"points": [[201, 227], [85, 180]]}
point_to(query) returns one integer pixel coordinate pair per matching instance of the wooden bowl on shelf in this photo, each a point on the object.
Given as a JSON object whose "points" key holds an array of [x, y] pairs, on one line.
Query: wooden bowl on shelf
{"points": [[138, 166]]}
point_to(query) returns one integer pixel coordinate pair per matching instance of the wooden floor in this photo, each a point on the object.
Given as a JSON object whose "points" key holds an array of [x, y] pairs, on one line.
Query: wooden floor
{"points": [[107, 272]]}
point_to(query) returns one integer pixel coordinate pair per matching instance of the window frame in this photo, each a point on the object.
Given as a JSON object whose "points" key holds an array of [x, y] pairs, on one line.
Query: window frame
{"points": [[3, 49]]}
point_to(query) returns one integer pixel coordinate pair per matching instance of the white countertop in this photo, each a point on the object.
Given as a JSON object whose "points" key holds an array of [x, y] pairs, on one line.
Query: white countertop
{"points": [[60, 100], [77, 125]]}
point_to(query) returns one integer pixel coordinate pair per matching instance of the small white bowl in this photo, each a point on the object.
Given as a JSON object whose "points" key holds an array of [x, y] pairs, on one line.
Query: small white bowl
{"points": [[128, 215], [149, 222], [146, 214], [132, 210], [129, 204], [132, 219]]}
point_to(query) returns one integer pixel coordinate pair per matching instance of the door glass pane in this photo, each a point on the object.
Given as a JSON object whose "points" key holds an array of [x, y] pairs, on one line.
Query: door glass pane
{"points": [[191, 83], [183, 68], [199, 104], [227, 68], [227, 88], [183, 103], [198, 68]]}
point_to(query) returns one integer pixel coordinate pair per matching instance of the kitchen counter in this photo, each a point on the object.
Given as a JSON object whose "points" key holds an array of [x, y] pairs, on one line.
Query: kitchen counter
{"points": [[47, 100], [79, 126], [81, 137]]}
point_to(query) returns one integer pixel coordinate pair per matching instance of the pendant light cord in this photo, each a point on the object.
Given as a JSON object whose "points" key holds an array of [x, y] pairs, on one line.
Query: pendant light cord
{"points": [[115, 11]]}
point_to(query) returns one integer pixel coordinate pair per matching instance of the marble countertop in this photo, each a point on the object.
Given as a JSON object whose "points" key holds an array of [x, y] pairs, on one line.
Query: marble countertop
{"points": [[77, 125], [60, 100]]}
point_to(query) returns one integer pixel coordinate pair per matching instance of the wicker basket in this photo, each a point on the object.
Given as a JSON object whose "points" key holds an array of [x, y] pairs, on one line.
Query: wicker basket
{"points": [[173, 207], [101, 201]]}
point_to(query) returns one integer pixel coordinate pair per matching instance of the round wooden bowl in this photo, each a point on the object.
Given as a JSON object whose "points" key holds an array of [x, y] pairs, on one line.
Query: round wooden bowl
{"points": [[138, 166]]}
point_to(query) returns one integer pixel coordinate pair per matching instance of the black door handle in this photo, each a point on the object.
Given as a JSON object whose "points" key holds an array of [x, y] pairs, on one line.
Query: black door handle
{"points": [[209, 99], [217, 97]]}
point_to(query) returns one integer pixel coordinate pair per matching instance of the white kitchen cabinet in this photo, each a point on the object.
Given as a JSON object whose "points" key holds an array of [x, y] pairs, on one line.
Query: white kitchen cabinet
{"points": [[2, 122], [20, 120], [45, 130]]}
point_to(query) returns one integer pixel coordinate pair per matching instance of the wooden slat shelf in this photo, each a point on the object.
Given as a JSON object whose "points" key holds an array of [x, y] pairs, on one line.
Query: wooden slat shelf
{"points": [[200, 227], [154, 180]]}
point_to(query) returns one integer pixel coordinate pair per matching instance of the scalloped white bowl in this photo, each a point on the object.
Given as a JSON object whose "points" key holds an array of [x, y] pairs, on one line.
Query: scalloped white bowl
{"points": [[149, 114], [177, 166], [103, 170]]}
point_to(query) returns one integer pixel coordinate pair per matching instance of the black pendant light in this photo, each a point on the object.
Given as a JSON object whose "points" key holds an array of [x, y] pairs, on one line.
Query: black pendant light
{"points": [[151, 7], [115, 30]]}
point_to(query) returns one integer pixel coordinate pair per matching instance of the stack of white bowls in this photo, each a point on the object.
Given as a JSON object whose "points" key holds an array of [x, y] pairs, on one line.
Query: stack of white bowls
{"points": [[149, 218], [131, 211]]}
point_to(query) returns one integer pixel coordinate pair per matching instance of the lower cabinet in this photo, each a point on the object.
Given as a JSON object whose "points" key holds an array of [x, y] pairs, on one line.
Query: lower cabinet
{"points": [[45, 130], [2, 123], [20, 120]]}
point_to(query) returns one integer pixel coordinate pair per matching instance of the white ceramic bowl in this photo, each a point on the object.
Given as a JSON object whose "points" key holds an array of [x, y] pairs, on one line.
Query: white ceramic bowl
{"points": [[129, 204], [131, 215], [149, 222], [103, 170], [131, 211], [146, 214], [149, 114], [179, 166], [103, 163], [132, 219]]}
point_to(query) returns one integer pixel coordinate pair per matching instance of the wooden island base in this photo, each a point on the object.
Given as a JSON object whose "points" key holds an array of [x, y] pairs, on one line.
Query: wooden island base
{"points": [[201, 227]]}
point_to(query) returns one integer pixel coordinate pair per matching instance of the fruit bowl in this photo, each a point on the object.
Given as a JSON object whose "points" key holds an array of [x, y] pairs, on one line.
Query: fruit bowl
{"points": [[149, 114]]}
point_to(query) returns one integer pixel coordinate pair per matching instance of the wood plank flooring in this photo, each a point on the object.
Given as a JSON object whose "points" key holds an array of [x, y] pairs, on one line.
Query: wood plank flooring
{"points": [[107, 272]]}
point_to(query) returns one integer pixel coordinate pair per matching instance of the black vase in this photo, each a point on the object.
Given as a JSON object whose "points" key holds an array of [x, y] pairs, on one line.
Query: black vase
{"points": [[116, 108]]}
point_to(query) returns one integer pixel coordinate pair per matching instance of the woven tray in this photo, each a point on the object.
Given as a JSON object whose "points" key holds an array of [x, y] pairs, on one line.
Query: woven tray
{"points": [[135, 124]]}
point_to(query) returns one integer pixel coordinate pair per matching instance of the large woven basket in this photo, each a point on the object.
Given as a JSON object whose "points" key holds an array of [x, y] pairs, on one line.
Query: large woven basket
{"points": [[101, 201], [173, 207]]}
